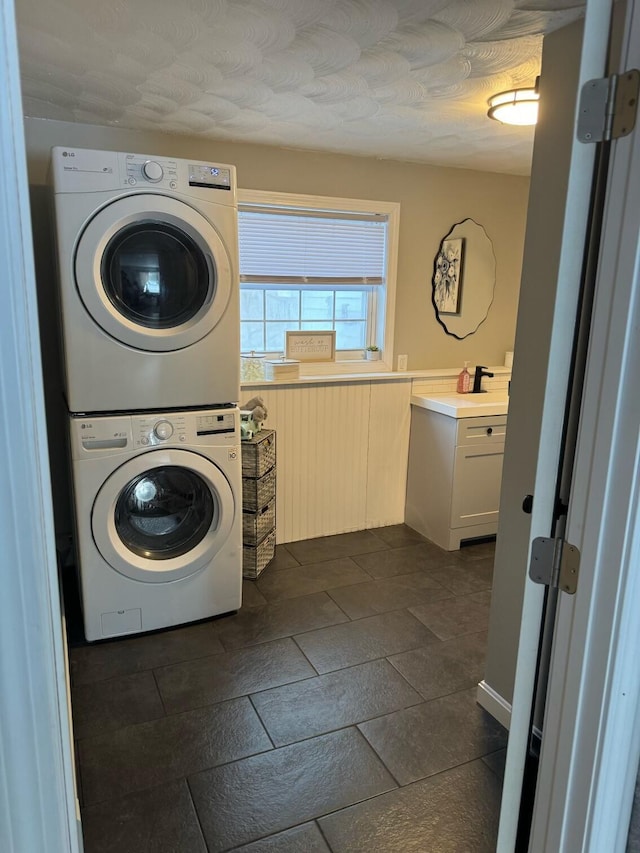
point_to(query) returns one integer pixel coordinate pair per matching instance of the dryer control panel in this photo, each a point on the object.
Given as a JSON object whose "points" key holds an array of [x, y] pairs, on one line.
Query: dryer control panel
{"points": [[84, 170]]}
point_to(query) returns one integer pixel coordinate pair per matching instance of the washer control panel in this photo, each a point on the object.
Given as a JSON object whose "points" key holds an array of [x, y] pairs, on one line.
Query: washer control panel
{"points": [[104, 435], [152, 430], [207, 427]]}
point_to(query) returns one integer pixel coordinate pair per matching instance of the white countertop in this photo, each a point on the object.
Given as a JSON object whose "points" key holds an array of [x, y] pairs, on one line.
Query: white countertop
{"points": [[465, 405]]}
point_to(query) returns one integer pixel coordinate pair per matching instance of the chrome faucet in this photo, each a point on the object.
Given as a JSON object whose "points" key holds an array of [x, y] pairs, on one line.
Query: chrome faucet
{"points": [[481, 371]]}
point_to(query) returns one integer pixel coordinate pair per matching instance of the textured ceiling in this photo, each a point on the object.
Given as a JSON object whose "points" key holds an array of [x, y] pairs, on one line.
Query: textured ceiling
{"points": [[398, 79]]}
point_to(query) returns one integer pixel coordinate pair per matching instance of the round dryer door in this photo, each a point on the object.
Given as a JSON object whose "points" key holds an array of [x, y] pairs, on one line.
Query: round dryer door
{"points": [[163, 515], [153, 272]]}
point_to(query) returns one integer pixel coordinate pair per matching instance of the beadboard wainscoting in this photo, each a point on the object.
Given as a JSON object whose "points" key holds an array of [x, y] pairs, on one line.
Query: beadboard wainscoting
{"points": [[342, 451]]}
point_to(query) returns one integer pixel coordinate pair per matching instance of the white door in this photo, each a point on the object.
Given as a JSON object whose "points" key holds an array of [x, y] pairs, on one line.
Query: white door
{"points": [[37, 795], [574, 810]]}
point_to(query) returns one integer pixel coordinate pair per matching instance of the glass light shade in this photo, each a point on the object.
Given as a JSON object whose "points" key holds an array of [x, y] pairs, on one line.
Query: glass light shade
{"points": [[517, 106]]}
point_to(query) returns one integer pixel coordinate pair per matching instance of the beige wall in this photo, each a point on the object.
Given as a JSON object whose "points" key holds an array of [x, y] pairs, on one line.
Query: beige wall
{"points": [[432, 200]]}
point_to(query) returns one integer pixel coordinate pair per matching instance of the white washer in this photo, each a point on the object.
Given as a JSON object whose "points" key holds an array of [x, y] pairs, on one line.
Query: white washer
{"points": [[158, 513], [148, 275]]}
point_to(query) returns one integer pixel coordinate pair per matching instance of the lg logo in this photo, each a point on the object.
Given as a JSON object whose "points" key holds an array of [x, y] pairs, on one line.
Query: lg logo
{"points": [[68, 154]]}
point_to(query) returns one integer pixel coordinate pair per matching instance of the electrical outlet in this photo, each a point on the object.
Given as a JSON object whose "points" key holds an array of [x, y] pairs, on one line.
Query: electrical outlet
{"points": [[402, 362]]}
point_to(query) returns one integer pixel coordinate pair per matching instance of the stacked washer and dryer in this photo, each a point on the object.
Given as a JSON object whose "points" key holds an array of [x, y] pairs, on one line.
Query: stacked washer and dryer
{"points": [[148, 276]]}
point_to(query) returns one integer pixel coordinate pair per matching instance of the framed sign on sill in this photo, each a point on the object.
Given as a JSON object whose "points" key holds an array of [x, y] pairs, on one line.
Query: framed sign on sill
{"points": [[311, 346]]}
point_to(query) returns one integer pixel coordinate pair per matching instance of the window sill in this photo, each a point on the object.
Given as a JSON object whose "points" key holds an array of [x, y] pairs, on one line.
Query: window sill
{"points": [[322, 379], [356, 374]]}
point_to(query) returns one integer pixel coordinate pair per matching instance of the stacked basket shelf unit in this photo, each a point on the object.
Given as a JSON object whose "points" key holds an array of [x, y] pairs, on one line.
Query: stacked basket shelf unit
{"points": [[258, 502]]}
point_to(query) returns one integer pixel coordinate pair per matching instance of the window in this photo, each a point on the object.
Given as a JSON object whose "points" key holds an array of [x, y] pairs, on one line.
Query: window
{"points": [[315, 263]]}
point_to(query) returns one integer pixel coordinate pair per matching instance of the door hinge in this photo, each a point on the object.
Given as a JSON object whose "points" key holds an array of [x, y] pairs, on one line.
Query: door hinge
{"points": [[555, 563], [608, 107]]}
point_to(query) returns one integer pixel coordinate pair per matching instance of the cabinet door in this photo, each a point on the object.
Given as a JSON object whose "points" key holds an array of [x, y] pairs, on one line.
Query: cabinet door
{"points": [[477, 477]]}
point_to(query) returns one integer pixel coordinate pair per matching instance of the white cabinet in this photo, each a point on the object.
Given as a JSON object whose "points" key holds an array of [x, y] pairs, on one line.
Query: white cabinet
{"points": [[455, 471]]}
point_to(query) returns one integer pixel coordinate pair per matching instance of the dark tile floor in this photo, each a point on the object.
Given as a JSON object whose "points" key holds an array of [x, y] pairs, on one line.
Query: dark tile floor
{"points": [[334, 712]]}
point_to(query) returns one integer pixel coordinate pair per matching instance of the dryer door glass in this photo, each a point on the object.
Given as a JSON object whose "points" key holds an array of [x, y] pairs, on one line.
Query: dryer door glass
{"points": [[165, 512], [155, 275]]}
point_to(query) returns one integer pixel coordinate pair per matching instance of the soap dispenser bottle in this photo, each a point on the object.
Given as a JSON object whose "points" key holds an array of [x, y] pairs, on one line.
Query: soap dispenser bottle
{"points": [[464, 380]]}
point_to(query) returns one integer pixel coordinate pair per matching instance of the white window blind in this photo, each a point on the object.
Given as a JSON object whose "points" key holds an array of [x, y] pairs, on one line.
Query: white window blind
{"points": [[312, 248]]}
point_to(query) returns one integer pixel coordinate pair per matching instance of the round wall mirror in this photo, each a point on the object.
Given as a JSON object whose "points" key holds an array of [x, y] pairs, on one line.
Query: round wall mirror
{"points": [[464, 277]]}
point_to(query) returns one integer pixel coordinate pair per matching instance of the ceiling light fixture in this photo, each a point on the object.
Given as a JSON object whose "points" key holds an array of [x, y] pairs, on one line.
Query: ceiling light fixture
{"points": [[516, 106]]}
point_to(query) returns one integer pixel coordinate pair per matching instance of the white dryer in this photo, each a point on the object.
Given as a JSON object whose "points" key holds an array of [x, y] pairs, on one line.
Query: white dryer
{"points": [[148, 275], [158, 516]]}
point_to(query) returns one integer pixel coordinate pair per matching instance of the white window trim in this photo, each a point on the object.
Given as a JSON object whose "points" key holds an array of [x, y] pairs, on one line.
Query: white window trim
{"points": [[386, 318]]}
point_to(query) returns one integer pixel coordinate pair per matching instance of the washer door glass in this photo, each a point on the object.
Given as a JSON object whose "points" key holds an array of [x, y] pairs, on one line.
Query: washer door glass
{"points": [[164, 513], [155, 275]]}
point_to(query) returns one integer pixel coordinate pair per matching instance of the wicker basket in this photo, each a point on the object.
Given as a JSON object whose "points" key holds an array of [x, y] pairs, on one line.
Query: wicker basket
{"points": [[256, 525], [256, 494], [256, 558], [259, 454]]}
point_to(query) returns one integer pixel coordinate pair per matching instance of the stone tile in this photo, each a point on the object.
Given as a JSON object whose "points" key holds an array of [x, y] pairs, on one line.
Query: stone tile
{"points": [[366, 639], [159, 820], [265, 794], [147, 754], [283, 559], [334, 547], [496, 761], [135, 654], [311, 578], [237, 673], [394, 593], [251, 595], [398, 535], [404, 561], [453, 617], [442, 668], [281, 619], [306, 837], [454, 812], [433, 737], [466, 576], [318, 705], [108, 705]]}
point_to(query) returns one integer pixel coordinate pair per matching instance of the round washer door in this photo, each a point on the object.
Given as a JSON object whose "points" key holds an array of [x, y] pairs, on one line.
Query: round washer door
{"points": [[162, 515], [153, 272]]}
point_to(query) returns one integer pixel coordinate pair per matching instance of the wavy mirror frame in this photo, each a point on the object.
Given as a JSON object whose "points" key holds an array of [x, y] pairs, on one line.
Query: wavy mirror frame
{"points": [[464, 278]]}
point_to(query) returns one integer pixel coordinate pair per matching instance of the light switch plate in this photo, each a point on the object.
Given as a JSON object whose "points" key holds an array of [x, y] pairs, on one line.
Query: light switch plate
{"points": [[402, 362]]}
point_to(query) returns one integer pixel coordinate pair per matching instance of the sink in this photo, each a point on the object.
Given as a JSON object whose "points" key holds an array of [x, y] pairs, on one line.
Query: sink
{"points": [[464, 405]]}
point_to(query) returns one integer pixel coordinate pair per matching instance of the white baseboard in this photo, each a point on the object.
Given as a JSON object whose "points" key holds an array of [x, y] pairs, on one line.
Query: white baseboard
{"points": [[493, 702]]}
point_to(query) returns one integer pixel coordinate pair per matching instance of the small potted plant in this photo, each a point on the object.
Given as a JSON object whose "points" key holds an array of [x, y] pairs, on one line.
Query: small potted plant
{"points": [[372, 353]]}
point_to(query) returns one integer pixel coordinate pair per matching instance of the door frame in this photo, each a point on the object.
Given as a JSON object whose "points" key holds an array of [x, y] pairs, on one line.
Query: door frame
{"points": [[38, 804], [591, 741], [573, 220]]}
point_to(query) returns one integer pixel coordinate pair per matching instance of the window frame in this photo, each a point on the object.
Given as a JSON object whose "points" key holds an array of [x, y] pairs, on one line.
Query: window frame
{"points": [[384, 314]]}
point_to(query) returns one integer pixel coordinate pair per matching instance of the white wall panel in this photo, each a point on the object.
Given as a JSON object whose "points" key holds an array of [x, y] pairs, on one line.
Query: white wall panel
{"points": [[389, 425], [341, 455]]}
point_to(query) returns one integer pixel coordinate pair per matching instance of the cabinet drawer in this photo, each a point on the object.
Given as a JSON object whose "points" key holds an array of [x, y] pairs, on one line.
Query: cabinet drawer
{"points": [[486, 430]]}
